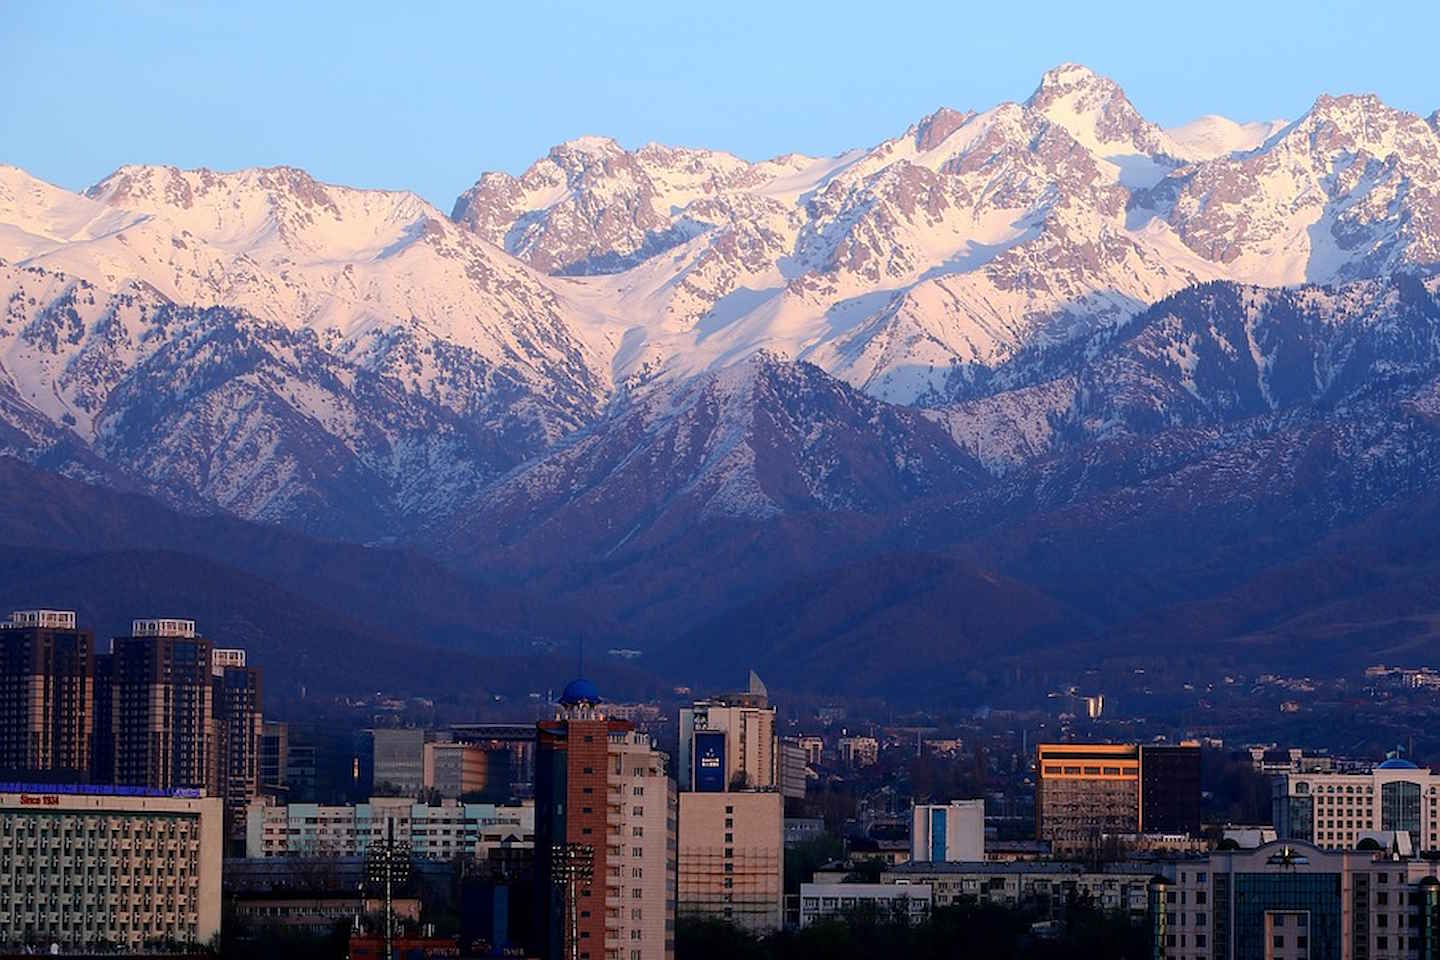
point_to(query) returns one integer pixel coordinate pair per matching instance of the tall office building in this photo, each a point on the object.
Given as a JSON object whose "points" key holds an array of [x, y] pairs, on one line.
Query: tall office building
{"points": [[948, 832], [1170, 788], [732, 812], [1085, 791], [604, 835], [47, 696], [238, 726], [746, 723], [163, 707]]}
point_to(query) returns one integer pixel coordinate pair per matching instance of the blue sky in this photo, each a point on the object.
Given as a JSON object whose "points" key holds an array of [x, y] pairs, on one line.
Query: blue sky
{"points": [[376, 96]]}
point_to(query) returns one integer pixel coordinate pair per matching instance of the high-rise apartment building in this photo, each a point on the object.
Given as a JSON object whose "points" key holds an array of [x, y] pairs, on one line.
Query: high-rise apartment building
{"points": [[745, 723], [99, 870], [732, 811], [163, 707], [604, 836], [794, 776], [47, 696], [1084, 791], [238, 724]]}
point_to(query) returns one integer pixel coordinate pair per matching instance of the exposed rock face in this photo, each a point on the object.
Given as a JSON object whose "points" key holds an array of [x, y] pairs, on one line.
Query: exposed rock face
{"points": [[354, 361]]}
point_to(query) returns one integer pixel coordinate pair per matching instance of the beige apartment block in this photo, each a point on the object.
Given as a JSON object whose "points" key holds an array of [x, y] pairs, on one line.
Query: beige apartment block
{"points": [[84, 870], [732, 858]]}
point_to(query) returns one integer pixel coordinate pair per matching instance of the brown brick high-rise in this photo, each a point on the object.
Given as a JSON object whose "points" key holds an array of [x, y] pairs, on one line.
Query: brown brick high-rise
{"points": [[602, 794], [163, 708], [47, 696]]}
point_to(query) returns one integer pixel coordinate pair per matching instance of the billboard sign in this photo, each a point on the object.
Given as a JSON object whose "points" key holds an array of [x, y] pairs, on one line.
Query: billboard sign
{"points": [[710, 761]]}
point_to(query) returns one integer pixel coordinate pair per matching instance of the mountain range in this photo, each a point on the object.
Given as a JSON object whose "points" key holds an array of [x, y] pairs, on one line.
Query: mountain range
{"points": [[1041, 375]]}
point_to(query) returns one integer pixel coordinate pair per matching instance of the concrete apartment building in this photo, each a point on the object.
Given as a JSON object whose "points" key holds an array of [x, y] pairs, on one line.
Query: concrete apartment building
{"points": [[732, 858], [1289, 900], [1044, 885], [82, 870], [457, 770], [442, 832], [827, 901], [162, 728], [238, 726], [1084, 791], [605, 812], [857, 752], [1334, 810], [47, 695], [1088, 792], [746, 723], [954, 831]]}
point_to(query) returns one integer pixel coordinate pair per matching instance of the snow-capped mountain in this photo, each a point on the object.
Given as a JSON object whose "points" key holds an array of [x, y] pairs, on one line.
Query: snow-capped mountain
{"points": [[356, 362], [283, 348]]}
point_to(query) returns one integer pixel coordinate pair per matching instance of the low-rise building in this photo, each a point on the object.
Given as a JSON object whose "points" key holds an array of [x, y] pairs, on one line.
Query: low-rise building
{"points": [[827, 901], [1044, 885], [857, 752], [441, 832], [800, 830], [118, 867]]}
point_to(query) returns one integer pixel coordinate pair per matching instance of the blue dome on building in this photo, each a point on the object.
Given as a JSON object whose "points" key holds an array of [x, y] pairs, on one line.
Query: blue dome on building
{"points": [[579, 690], [1397, 763]]}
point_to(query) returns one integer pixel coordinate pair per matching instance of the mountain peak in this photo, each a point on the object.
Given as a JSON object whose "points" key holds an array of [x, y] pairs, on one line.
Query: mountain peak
{"points": [[1069, 76], [589, 144]]}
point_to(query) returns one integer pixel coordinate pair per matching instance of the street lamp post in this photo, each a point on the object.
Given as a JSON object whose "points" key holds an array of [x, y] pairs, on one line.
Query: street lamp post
{"points": [[388, 863]]}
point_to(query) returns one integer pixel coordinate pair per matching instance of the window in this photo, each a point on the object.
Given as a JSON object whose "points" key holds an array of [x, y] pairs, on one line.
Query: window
{"points": [[1279, 941]]}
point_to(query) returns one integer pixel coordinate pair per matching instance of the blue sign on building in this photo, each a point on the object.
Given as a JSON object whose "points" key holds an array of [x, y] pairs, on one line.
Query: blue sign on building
{"points": [[710, 761]]}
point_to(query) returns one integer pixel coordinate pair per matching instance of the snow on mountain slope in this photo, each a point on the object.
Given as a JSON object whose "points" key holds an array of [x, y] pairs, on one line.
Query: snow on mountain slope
{"points": [[382, 279], [893, 267], [212, 406], [923, 270], [1351, 189], [1209, 357], [908, 267], [1095, 111], [1213, 136], [382, 292], [760, 438]]}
